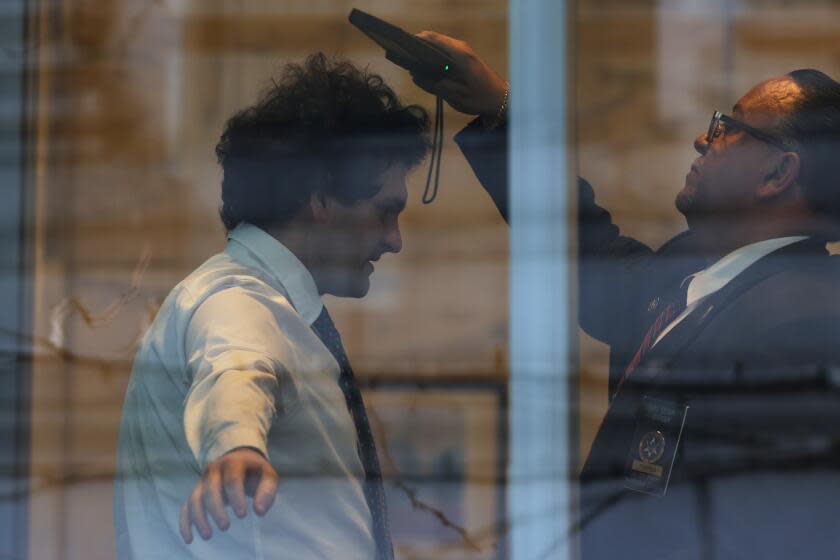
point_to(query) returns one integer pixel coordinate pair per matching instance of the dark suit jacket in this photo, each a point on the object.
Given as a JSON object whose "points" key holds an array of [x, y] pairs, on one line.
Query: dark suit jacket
{"points": [[756, 471]]}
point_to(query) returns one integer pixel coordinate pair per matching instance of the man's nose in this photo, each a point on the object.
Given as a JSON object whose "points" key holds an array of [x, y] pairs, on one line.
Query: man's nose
{"points": [[701, 143], [393, 239]]}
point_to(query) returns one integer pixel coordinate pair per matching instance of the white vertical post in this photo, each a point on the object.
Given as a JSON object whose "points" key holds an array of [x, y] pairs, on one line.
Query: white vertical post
{"points": [[539, 490]]}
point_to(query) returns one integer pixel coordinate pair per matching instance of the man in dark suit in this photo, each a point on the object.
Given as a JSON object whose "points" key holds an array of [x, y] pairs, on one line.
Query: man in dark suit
{"points": [[722, 437]]}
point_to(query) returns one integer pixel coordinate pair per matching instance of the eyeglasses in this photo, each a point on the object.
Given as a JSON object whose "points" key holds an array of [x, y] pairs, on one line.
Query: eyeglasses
{"points": [[720, 122]]}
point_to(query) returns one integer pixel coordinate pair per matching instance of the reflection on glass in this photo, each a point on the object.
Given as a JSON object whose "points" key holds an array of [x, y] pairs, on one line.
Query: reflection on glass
{"points": [[706, 400]]}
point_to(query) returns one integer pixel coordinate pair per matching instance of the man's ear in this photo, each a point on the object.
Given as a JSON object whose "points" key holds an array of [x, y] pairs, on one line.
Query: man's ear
{"points": [[782, 177], [319, 205]]}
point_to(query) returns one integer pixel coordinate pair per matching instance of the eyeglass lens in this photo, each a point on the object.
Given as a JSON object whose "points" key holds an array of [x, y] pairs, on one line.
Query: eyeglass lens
{"points": [[714, 127]]}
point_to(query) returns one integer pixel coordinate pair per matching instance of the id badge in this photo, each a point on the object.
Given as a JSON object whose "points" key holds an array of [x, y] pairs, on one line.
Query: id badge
{"points": [[659, 426]]}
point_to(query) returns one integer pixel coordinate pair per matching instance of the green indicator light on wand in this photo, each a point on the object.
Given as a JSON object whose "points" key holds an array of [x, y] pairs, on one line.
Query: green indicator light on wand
{"points": [[446, 68]]}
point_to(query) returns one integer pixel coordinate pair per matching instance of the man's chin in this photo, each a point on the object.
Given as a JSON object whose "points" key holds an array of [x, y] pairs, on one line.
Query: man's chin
{"points": [[689, 207], [699, 216], [361, 289], [686, 201], [355, 287], [682, 203]]}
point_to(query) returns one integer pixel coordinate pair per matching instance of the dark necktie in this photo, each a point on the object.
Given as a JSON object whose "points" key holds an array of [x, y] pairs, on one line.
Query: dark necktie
{"points": [[374, 491], [674, 305]]}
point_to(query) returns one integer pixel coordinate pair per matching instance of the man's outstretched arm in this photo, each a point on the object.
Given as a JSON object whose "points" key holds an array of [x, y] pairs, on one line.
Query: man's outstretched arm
{"points": [[230, 406]]}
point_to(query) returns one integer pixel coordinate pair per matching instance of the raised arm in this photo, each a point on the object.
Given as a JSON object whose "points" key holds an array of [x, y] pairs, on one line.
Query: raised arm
{"points": [[611, 266]]}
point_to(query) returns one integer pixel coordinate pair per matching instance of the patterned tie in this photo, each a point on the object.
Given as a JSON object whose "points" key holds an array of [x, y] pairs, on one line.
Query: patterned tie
{"points": [[374, 491], [676, 305]]}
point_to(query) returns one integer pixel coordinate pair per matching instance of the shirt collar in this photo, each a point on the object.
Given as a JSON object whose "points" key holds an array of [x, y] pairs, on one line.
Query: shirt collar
{"points": [[273, 257], [719, 274]]}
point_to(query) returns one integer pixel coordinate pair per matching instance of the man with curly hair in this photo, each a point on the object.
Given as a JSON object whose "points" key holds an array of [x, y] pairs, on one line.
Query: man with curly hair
{"points": [[241, 391]]}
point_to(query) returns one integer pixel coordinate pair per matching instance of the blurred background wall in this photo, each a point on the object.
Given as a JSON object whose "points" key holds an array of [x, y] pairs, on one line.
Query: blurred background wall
{"points": [[130, 98]]}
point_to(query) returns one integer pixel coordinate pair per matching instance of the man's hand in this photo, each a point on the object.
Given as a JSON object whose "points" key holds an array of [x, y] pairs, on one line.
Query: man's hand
{"points": [[471, 87], [244, 471]]}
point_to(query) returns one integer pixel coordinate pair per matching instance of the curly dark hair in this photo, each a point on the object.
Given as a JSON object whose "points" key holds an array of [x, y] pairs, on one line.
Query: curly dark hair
{"points": [[324, 126], [812, 128]]}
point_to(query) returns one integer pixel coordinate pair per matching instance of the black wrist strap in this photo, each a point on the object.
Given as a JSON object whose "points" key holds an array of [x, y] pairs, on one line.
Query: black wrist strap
{"points": [[431, 190]]}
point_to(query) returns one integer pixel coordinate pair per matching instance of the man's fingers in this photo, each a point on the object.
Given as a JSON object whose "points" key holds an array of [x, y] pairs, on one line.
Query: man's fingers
{"points": [[266, 490], [213, 499], [449, 45], [430, 36], [184, 524], [234, 483], [197, 515]]}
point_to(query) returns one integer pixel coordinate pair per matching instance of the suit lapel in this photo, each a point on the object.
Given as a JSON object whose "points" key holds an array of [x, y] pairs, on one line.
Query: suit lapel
{"points": [[663, 354], [612, 439]]}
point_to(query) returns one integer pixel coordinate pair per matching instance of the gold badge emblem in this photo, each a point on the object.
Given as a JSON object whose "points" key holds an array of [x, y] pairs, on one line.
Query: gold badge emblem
{"points": [[651, 449]]}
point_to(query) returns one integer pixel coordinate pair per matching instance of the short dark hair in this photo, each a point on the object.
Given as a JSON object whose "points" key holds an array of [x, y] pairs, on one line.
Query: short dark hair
{"points": [[812, 128], [323, 126]]}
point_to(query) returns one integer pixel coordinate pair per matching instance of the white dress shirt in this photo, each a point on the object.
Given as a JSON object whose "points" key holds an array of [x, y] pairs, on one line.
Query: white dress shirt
{"points": [[711, 279], [230, 361]]}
